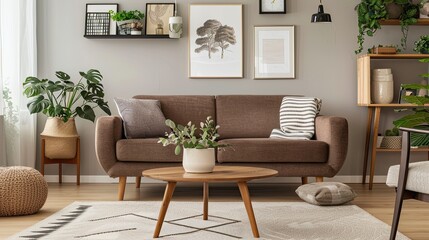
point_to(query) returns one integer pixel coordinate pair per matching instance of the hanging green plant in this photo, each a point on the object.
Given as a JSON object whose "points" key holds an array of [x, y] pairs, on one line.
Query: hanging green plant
{"points": [[407, 18], [370, 12]]}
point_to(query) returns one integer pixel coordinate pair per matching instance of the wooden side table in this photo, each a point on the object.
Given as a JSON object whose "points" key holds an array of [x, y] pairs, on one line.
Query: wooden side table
{"points": [[76, 160]]}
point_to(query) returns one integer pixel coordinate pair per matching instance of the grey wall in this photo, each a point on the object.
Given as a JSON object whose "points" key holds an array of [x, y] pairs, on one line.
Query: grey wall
{"points": [[325, 60]]}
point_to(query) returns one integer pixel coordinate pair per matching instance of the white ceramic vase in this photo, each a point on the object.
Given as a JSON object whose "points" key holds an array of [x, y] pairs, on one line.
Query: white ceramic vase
{"points": [[382, 86], [198, 160], [175, 27]]}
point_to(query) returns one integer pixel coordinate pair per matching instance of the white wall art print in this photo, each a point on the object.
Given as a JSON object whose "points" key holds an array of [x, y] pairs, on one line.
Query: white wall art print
{"points": [[274, 52], [216, 41]]}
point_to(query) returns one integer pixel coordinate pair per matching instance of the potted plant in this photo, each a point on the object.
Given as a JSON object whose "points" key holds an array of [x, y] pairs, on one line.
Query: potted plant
{"points": [[422, 45], [62, 101], [384, 49], [369, 13], [129, 22], [419, 118], [391, 139], [198, 151]]}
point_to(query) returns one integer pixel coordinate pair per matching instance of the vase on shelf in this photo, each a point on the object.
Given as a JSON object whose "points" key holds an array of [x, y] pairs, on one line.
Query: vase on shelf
{"points": [[382, 86]]}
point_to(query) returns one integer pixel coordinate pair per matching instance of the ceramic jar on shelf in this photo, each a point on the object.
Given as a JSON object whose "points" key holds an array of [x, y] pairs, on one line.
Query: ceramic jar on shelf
{"points": [[382, 86]]}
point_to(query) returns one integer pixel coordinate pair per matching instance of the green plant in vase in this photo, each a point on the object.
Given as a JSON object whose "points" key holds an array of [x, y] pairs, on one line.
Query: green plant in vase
{"points": [[422, 45]]}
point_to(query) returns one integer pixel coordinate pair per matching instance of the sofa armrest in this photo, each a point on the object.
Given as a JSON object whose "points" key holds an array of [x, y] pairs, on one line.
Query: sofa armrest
{"points": [[108, 131], [334, 131]]}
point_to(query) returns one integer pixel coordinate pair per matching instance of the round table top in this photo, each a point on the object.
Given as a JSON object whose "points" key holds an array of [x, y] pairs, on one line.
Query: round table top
{"points": [[219, 174]]}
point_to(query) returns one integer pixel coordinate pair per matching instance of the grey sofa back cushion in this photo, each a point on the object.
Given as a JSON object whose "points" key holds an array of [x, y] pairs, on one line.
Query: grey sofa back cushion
{"points": [[184, 108], [247, 116], [142, 118]]}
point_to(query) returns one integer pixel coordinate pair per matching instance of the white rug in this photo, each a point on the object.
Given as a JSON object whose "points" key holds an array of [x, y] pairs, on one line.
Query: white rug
{"points": [[227, 220]]}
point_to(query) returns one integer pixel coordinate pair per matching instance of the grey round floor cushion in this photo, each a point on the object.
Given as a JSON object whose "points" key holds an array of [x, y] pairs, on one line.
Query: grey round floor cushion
{"points": [[326, 193]]}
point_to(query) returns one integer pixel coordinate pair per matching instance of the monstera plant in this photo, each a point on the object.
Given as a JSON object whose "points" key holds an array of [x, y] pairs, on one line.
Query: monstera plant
{"points": [[420, 116], [64, 98]]}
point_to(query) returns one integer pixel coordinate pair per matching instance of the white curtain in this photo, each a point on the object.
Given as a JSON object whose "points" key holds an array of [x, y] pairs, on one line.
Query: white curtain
{"points": [[18, 56]]}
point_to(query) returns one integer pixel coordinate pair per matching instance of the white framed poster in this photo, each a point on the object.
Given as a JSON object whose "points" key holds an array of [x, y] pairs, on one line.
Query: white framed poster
{"points": [[274, 52], [215, 41]]}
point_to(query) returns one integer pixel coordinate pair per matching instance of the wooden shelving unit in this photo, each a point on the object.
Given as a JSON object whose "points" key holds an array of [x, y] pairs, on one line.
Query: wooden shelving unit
{"points": [[374, 110], [126, 37], [420, 22]]}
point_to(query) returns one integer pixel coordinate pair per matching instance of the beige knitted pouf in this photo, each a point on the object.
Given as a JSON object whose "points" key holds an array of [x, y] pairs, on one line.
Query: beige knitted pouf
{"points": [[23, 191]]}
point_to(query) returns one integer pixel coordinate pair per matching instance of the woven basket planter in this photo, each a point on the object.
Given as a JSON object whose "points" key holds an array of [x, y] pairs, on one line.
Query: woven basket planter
{"points": [[23, 191], [391, 142], [60, 138]]}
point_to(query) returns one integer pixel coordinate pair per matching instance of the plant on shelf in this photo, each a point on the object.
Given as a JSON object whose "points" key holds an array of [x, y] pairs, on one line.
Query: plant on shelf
{"points": [[369, 13], [184, 136], [408, 17], [64, 99], [129, 22], [422, 45], [420, 116], [392, 132]]}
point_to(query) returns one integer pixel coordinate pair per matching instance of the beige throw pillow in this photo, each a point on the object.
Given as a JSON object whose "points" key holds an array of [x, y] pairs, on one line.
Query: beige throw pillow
{"points": [[326, 193], [142, 118]]}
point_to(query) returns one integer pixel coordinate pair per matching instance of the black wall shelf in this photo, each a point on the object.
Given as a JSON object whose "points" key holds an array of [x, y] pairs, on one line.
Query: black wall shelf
{"points": [[126, 37]]}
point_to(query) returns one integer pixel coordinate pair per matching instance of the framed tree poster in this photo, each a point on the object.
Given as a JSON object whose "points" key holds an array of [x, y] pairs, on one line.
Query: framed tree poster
{"points": [[216, 41]]}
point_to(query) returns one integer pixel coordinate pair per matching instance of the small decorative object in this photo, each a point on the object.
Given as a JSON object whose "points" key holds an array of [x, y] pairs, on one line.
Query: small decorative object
{"points": [[391, 140], [274, 52], [422, 45], [424, 10], [215, 41], [175, 25], [23, 191], [382, 86], [272, 6], [380, 49], [97, 21], [199, 154], [129, 22], [394, 10], [157, 18], [321, 16], [406, 91], [379, 140]]}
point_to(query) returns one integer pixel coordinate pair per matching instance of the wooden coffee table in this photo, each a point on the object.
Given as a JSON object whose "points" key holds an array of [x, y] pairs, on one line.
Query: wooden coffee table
{"points": [[238, 174]]}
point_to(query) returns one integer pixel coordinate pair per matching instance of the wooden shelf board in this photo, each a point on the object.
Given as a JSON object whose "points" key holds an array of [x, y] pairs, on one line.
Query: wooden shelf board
{"points": [[424, 149], [126, 37], [393, 105], [420, 22], [395, 56]]}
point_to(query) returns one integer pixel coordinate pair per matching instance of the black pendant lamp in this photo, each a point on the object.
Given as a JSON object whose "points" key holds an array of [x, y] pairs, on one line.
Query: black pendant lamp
{"points": [[321, 16]]}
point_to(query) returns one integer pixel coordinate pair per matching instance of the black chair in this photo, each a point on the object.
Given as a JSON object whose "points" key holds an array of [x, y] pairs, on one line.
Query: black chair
{"points": [[411, 180]]}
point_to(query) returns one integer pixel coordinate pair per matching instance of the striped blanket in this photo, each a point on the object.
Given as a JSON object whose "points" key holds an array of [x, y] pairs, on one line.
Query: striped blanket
{"points": [[297, 116]]}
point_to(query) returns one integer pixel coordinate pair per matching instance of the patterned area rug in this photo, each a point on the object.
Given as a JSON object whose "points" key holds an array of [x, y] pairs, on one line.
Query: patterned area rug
{"points": [[227, 220]]}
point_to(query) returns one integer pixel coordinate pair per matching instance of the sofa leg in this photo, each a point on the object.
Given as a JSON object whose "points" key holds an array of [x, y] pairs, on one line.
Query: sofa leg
{"points": [[138, 180], [121, 190], [304, 180], [319, 179]]}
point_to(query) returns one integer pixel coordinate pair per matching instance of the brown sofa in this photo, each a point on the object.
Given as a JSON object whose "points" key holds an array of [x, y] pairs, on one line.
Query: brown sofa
{"points": [[246, 122]]}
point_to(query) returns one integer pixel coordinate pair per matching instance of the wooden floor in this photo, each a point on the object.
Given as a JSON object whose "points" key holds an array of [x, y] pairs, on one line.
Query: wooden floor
{"points": [[379, 202]]}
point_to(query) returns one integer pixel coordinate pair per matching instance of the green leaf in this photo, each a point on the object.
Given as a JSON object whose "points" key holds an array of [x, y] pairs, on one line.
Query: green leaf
{"points": [[413, 120], [177, 150], [62, 75], [170, 124]]}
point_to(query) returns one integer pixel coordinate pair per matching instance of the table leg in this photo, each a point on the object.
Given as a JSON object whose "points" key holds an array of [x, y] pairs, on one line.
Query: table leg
{"points": [[367, 141], [169, 189], [374, 146], [248, 204], [206, 200]]}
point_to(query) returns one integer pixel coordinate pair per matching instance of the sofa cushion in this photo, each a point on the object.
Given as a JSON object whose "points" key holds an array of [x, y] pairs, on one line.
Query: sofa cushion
{"points": [[182, 109], [326, 193], [269, 150], [145, 150], [142, 118], [247, 116]]}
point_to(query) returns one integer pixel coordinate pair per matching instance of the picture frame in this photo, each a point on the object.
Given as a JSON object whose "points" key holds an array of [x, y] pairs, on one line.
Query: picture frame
{"points": [[274, 52], [97, 19], [156, 18], [223, 56], [405, 92], [272, 6]]}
